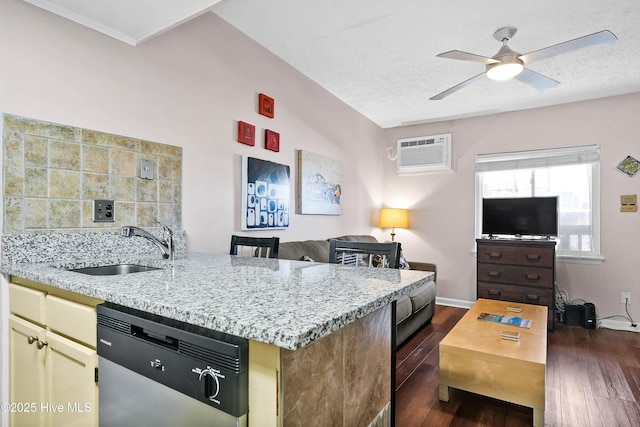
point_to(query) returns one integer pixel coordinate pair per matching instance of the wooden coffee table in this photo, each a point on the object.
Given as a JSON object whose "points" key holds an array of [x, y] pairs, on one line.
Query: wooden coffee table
{"points": [[474, 358]]}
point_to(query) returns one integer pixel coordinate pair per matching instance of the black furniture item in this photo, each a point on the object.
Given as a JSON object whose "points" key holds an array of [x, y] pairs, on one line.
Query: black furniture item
{"points": [[359, 253], [263, 247], [370, 255], [518, 270]]}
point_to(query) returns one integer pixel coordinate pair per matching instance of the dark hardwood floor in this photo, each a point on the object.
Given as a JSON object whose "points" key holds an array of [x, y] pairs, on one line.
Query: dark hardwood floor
{"points": [[593, 379]]}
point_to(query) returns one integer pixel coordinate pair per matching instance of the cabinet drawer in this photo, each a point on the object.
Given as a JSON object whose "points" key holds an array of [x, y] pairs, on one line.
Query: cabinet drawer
{"points": [[27, 303], [527, 276], [77, 321], [523, 294], [516, 255]]}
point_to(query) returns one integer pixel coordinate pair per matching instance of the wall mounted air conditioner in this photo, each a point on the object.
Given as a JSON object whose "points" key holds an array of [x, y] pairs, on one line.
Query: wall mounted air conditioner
{"points": [[424, 154]]}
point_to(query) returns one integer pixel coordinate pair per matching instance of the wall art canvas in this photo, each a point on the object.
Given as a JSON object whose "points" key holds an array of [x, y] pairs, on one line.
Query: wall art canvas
{"points": [[271, 140], [246, 133], [320, 181], [266, 105], [629, 166], [265, 194]]}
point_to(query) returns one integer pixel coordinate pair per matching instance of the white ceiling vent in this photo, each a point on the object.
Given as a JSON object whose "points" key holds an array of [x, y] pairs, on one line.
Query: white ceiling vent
{"points": [[424, 154]]}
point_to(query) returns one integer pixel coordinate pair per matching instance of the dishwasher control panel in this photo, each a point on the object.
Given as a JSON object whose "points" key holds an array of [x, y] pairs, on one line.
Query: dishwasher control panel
{"points": [[200, 363]]}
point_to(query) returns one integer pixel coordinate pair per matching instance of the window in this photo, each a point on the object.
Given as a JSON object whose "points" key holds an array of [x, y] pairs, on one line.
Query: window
{"points": [[571, 173]]}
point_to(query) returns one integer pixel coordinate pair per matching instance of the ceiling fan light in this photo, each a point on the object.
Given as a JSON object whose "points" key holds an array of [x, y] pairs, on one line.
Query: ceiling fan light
{"points": [[504, 70]]}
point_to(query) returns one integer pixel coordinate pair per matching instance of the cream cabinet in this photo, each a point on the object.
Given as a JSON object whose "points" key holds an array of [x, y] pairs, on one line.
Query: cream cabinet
{"points": [[53, 359]]}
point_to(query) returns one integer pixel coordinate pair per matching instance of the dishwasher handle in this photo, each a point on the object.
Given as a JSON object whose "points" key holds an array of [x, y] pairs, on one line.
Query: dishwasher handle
{"points": [[153, 337]]}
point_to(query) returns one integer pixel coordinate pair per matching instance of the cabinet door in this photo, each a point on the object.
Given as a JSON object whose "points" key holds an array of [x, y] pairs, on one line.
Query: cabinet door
{"points": [[72, 391], [26, 373]]}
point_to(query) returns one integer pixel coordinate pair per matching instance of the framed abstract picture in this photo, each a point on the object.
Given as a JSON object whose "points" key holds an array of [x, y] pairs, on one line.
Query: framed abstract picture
{"points": [[271, 140], [265, 194], [266, 105], [246, 133], [320, 181]]}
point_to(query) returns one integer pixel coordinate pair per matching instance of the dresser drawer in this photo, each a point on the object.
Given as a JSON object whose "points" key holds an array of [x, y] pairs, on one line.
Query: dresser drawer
{"points": [[527, 276], [523, 294], [516, 255]]}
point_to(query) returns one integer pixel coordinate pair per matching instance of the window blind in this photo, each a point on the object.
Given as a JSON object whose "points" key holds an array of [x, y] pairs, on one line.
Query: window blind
{"points": [[538, 158]]}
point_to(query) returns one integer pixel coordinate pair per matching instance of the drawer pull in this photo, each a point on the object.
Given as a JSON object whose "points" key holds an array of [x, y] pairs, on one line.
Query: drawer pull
{"points": [[41, 344], [532, 297], [533, 257], [32, 339], [532, 276], [494, 274], [493, 293], [495, 255]]}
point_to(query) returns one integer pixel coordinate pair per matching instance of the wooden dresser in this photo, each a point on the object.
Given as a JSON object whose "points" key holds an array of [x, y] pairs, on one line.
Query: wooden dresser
{"points": [[519, 271]]}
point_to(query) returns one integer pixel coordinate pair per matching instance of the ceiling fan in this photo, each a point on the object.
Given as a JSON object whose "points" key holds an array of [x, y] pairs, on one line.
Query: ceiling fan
{"points": [[508, 64]]}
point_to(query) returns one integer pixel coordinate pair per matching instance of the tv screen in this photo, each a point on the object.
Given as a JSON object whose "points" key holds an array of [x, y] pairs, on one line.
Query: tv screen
{"points": [[522, 216]]}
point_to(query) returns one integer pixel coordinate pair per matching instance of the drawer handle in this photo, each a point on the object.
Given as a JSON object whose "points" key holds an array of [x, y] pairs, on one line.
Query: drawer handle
{"points": [[494, 274], [495, 255], [41, 344], [533, 257], [32, 339], [493, 293], [532, 297], [532, 276]]}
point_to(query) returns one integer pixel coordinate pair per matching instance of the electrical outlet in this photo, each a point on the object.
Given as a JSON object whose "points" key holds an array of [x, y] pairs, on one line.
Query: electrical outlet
{"points": [[103, 211], [626, 298]]}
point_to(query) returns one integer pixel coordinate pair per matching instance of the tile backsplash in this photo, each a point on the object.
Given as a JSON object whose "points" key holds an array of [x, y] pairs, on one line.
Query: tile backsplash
{"points": [[52, 173]]}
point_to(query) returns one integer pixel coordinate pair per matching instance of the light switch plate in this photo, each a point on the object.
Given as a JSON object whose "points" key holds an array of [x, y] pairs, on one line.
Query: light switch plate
{"points": [[104, 211], [146, 169]]}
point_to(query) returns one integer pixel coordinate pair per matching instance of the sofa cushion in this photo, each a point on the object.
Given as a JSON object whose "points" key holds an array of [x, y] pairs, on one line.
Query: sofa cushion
{"points": [[317, 250], [422, 295], [358, 238], [403, 308]]}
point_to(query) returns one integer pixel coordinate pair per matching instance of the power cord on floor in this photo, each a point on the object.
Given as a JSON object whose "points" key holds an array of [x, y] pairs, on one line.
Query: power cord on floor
{"points": [[628, 316], [626, 309]]}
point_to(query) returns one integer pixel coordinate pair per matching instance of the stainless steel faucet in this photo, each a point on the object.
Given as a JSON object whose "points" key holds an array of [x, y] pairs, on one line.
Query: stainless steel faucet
{"points": [[165, 245]]}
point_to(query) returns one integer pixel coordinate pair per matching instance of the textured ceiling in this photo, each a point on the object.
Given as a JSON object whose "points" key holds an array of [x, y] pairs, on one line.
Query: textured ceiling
{"points": [[379, 57]]}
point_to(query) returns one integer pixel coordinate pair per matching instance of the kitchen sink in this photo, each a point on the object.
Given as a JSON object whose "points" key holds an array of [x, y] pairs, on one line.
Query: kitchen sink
{"points": [[113, 270]]}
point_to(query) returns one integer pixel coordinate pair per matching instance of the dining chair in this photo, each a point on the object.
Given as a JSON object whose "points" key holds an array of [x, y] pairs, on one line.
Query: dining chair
{"points": [[263, 247], [365, 253]]}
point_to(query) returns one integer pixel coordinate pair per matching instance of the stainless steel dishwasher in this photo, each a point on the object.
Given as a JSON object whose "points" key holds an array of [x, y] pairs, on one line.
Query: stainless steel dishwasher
{"points": [[154, 371]]}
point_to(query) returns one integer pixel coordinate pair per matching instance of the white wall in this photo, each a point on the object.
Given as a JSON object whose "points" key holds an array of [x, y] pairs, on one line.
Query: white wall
{"points": [[442, 205], [188, 87]]}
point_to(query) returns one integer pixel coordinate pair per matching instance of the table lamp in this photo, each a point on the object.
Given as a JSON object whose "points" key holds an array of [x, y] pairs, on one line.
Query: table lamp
{"points": [[394, 218]]}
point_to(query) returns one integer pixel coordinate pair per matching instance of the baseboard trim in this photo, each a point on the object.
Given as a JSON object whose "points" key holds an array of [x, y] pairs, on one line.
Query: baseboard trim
{"points": [[454, 302]]}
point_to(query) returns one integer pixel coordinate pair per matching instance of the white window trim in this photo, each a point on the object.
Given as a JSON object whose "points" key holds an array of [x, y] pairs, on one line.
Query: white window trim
{"points": [[543, 158]]}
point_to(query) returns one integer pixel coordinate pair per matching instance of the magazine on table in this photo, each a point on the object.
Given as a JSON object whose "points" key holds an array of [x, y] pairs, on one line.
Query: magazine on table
{"points": [[505, 320]]}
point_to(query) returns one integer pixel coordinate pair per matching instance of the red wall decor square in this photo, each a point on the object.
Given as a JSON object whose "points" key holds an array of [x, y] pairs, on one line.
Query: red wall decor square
{"points": [[266, 105], [246, 133], [271, 140]]}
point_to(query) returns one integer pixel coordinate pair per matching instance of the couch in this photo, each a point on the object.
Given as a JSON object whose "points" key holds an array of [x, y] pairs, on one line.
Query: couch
{"points": [[412, 311]]}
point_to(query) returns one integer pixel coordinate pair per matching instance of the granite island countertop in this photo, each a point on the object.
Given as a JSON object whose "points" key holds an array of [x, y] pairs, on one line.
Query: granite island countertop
{"points": [[281, 302]]}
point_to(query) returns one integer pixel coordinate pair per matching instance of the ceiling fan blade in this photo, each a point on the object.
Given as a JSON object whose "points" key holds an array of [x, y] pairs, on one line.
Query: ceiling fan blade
{"points": [[601, 37], [536, 80], [466, 56], [455, 88]]}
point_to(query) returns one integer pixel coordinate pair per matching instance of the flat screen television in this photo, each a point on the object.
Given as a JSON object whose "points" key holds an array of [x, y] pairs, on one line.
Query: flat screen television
{"points": [[521, 216]]}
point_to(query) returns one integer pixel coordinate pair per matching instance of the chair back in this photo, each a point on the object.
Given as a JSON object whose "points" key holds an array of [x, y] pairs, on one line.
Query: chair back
{"points": [[365, 253], [263, 247]]}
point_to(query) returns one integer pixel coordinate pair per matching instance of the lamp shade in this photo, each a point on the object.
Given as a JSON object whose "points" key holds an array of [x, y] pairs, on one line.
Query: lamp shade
{"points": [[394, 218]]}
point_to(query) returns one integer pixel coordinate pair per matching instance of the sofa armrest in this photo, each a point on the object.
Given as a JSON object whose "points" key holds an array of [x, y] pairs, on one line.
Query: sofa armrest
{"points": [[424, 266]]}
